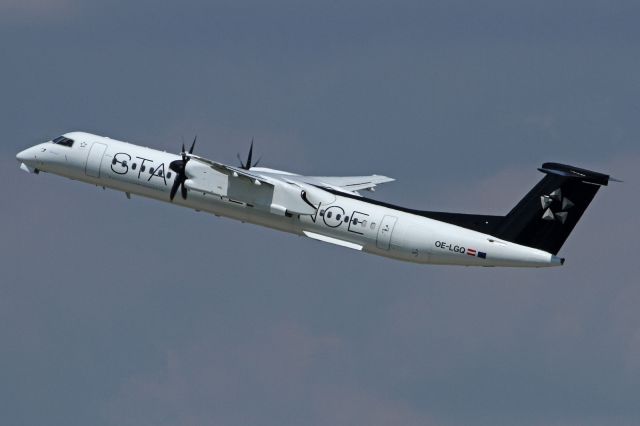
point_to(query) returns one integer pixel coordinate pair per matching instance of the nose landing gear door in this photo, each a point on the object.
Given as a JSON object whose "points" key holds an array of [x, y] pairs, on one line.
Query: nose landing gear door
{"points": [[94, 159], [383, 240]]}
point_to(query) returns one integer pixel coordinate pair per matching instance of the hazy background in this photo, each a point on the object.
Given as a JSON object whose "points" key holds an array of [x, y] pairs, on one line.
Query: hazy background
{"points": [[133, 312]]}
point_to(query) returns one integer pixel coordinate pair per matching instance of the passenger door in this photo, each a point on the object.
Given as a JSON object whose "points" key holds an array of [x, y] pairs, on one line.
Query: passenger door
{"points": [[94, 159], [385, 230]]}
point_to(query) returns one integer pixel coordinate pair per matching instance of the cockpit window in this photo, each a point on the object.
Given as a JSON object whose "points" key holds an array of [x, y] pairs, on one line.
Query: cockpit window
{"points": [[61, 140]]}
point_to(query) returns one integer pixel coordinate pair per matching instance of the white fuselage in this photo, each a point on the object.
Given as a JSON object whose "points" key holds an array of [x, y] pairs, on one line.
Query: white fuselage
{"points": [[345, 221]]}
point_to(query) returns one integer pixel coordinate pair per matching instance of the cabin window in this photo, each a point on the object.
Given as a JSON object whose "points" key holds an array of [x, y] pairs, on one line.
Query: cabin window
{"points": [[322, 212], [373, 225], [364, 223], [338, 216], [355, 220], [346, 219], [133, 166], [329, 214], [124, 163], [151, 170], [143, 168], [168, 175], [113, 161]]}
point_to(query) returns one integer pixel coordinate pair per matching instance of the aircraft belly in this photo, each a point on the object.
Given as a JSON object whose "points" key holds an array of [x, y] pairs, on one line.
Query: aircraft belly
{"points": [[423, 240], [453, 245]]}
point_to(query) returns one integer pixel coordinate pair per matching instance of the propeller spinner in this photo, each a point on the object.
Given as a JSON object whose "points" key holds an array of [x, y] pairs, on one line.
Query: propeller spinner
{"points": [[179, 166]]}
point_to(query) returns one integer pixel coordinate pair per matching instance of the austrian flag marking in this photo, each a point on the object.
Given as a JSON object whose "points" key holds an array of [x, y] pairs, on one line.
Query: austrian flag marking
{"points": [[475, 253]]}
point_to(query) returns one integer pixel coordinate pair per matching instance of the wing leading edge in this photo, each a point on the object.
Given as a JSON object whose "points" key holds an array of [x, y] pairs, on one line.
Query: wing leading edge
{"points": [[348, 183]]}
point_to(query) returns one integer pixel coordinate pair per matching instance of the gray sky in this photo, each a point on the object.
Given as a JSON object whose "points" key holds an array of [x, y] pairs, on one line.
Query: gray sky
{"points": [[118, 312]]}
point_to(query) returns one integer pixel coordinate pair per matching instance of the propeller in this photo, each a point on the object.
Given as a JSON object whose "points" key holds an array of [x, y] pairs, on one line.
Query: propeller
{"points": [[179, 166], [248, 165]]}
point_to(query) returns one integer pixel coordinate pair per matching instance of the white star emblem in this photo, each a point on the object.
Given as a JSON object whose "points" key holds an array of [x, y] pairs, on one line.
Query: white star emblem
{"points": [[556, 198]]}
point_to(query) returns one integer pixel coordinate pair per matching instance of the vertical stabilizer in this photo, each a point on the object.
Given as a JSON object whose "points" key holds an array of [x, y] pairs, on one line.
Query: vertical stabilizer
{"points": [[545, 217]]}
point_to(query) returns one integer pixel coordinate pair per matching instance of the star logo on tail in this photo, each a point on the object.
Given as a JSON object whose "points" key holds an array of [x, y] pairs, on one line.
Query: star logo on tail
{"points": [[555, 201]]}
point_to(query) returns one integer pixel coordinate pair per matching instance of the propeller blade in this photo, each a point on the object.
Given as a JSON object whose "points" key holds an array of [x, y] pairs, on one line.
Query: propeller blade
{"points": [[175, 166], [179, 166], [248, 165], [174, 188], [184, 190]]}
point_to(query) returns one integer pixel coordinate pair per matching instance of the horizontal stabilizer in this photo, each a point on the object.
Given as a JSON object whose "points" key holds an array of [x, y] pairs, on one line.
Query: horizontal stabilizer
{"points": [[576, 173]]}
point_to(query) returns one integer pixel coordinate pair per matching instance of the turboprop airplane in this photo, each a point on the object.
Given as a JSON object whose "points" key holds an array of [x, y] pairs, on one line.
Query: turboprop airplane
{"points": [[331, 209]]}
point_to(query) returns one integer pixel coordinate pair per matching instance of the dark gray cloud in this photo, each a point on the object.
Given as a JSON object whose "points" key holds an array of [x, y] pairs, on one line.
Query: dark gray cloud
{"points": [[116, 311]]}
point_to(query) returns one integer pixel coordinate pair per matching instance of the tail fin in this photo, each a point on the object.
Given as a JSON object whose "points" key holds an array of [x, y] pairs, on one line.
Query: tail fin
{"points": [[545, 217]]}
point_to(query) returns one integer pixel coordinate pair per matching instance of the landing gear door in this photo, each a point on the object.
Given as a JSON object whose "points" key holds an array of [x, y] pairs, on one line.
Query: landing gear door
{"points": [[385, 230], [94, 160]]}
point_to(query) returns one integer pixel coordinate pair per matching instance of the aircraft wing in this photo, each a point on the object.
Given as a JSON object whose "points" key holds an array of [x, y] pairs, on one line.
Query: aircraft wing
{"points": [[279, 192], [257, 178], [348, 183], [253, 188]]}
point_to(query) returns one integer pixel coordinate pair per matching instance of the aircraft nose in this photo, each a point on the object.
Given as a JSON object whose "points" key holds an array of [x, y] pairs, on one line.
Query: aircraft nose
{"points": [[29, 159], [30, 154], [25, 155]]}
